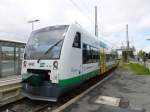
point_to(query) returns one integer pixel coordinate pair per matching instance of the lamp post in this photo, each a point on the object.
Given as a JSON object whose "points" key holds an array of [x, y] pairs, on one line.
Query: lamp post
{"points": [[32, 22]]}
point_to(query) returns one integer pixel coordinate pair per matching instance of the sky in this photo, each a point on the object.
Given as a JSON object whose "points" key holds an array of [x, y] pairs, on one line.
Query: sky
{"points": [[113, 15]]}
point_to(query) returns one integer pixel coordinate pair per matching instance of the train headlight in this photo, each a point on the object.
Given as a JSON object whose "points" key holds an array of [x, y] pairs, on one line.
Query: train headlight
{"points": [[55, 65]]}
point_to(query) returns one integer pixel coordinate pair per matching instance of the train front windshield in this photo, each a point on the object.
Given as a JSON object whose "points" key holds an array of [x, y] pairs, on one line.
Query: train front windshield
{"points": [[45, 43]]}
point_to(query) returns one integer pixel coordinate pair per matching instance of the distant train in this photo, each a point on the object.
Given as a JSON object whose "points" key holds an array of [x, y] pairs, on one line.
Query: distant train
{"points": [[58, 58]]}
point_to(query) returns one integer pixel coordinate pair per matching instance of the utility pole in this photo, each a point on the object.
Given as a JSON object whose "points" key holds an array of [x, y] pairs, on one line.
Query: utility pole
{"points": [[127, 51], [128, 46], [127, 40], [32, 22], [96, 25]]}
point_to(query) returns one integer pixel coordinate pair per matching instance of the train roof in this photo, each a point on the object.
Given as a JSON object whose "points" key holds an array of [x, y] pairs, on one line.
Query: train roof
{"points": [[101, 42], [50, 28], [104, 45]]}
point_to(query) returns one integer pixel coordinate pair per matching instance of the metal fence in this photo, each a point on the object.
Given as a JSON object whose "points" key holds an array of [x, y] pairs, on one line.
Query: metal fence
{"points": [[11, 54]]}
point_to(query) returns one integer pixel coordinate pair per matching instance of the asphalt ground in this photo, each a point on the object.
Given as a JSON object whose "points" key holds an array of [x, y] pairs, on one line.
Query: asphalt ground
{"points": [[123, 83]]}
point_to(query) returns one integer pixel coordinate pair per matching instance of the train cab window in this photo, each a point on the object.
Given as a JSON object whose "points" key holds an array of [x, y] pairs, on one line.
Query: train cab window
{"points": [[77, 40]]}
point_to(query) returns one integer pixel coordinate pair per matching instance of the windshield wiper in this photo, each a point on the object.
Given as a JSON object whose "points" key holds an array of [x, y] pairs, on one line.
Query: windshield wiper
{"points": [[49, 49]]}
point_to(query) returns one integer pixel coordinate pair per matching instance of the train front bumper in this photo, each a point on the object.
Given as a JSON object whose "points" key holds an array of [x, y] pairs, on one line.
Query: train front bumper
{"points": [[46, 91]]}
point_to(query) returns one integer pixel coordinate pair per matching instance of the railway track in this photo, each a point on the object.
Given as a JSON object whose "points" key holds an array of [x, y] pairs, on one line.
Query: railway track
{"points": [[27, 105]]}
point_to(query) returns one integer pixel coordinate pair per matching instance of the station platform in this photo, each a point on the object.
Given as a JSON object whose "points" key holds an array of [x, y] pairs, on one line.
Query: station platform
{"points": [[10, 80], [122, 84], [10, 89]]}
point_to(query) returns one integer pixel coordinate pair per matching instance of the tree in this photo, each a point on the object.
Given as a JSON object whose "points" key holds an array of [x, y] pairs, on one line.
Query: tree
{"points": [[141, 54]]}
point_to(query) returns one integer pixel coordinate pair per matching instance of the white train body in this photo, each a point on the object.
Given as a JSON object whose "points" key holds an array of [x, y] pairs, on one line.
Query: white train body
{"points": [[75, 59]]}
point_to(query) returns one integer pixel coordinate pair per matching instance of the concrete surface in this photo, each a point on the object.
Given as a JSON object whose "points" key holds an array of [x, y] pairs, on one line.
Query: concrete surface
{"points": [[10, 80], [122, 84], [10, 88]]}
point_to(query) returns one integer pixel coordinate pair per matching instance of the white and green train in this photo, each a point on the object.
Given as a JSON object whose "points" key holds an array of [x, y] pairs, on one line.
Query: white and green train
{"points": [[58, 58]]}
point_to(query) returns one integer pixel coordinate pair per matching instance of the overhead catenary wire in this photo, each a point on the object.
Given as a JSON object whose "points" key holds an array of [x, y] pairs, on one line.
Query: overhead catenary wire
{"points": [[82, 12], [84, 5]]}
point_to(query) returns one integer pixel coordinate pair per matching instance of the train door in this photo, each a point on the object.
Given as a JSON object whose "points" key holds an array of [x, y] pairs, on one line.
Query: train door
{"points": [[76, 62], [102, 60]]}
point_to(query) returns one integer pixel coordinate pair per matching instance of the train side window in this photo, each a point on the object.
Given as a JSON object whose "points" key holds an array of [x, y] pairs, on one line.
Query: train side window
{"points": [[92, 54], [85, 54], [89, 54], [98, 54], [77, 40]]}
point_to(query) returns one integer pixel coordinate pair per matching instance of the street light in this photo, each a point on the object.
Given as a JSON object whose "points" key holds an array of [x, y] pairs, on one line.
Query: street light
{"points": [[32, 22]]}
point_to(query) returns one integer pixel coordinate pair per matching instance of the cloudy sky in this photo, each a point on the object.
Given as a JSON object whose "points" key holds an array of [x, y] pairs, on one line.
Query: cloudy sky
{"points": [[113, 15]]}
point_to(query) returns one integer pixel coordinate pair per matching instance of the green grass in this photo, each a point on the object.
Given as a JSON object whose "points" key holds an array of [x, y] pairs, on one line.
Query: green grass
{"points": [[137, 68]]}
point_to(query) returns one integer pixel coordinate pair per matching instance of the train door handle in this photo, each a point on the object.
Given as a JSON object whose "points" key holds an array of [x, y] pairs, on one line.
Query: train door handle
{"points": [[79, 71]]}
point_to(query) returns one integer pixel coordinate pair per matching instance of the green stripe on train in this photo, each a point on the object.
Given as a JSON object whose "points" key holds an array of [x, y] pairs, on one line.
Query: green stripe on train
{"points": [[78, 79]]}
